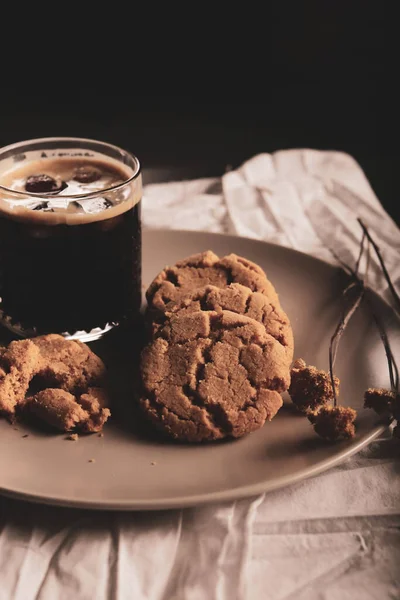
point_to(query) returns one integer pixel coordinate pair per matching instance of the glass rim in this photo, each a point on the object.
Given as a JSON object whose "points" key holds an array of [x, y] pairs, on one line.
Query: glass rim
{"points": [[94, 194]]}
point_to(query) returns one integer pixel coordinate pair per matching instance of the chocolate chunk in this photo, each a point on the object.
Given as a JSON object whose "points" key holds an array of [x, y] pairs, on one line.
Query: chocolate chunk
{"points": [[87, 174], [44, 184]]}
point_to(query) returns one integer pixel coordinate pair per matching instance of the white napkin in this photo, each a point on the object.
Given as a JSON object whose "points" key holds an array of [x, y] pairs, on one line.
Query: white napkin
{"points": [[304, 199], [336, 536]]}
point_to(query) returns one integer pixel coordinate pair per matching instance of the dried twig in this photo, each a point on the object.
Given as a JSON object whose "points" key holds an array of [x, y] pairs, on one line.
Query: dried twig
{"points": [[344, 265], [393, 370], [392, 366], [365, 279], [395, 295], [360, 253], [346, 315]]}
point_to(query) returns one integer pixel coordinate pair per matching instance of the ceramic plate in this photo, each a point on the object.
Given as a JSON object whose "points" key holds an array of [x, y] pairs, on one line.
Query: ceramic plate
{"points": [[135, 470]]}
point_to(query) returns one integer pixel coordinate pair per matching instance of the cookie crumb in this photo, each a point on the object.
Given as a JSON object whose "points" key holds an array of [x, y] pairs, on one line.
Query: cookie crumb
{"points": [[91, 460], [73, 437], [310, 388], [334, 422], [16, 428], [379, 399], [153, 463], [100, 435], [26, 435]]}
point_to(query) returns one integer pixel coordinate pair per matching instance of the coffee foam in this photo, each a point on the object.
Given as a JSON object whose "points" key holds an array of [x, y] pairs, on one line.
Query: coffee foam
{"points": [[71, 206]]}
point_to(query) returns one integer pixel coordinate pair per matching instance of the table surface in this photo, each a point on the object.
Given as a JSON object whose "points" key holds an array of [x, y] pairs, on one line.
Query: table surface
{"points": [[306, 541]]}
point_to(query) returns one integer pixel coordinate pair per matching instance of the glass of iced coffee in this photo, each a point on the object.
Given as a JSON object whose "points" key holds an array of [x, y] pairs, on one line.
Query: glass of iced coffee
{"points": [[70, 237]]}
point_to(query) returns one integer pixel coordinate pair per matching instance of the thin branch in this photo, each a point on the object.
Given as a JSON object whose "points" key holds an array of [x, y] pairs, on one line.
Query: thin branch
{"points": [[344, 265], [360, 253], [392, 365], [331, 375], [367, 266], [395, 295], [393, 370], [346, 315]]}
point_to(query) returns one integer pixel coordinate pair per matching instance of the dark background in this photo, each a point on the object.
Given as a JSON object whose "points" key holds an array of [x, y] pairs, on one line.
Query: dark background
{"points": [[319, 74]]}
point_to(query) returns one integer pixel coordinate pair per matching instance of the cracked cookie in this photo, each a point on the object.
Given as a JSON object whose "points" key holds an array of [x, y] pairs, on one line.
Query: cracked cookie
{"points": [[209, 375], [197, 271], [52, 376], [241, 300]]}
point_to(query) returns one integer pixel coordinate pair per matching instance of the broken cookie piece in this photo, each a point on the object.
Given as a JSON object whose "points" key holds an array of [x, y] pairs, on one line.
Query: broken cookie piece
{"points": [[55, 379], [64, 412], [57, 408], [18, 365], [310, 388], [68, 364], [95, 402]]}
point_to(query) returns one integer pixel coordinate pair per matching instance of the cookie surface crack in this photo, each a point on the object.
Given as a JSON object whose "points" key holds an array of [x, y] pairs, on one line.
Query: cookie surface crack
{"points": [[172, 277]]}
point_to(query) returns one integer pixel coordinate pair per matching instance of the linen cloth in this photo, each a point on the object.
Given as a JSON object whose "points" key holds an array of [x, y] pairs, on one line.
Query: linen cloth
{"points": [[336, 536]]}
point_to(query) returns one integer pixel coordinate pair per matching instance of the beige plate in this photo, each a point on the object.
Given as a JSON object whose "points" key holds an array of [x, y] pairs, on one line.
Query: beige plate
{"points": [[45, 468]]}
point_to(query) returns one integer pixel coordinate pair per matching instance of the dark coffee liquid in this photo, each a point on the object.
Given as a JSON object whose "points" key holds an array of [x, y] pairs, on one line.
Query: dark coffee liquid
{"points": [[71, 277]]}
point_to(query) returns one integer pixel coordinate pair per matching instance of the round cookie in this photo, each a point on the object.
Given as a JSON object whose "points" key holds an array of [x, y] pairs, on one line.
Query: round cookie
{"points": [[209, 375], [241, 300], [199, 270]]}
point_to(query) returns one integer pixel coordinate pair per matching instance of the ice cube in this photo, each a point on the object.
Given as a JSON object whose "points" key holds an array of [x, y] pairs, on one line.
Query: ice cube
{"points": [[94, 205], [39, 205], [58, 203]]}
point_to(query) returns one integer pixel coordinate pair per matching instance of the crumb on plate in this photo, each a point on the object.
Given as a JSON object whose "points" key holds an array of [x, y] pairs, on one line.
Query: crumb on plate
{"points": [[379, 399], [310, 388], [333, 423]]}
